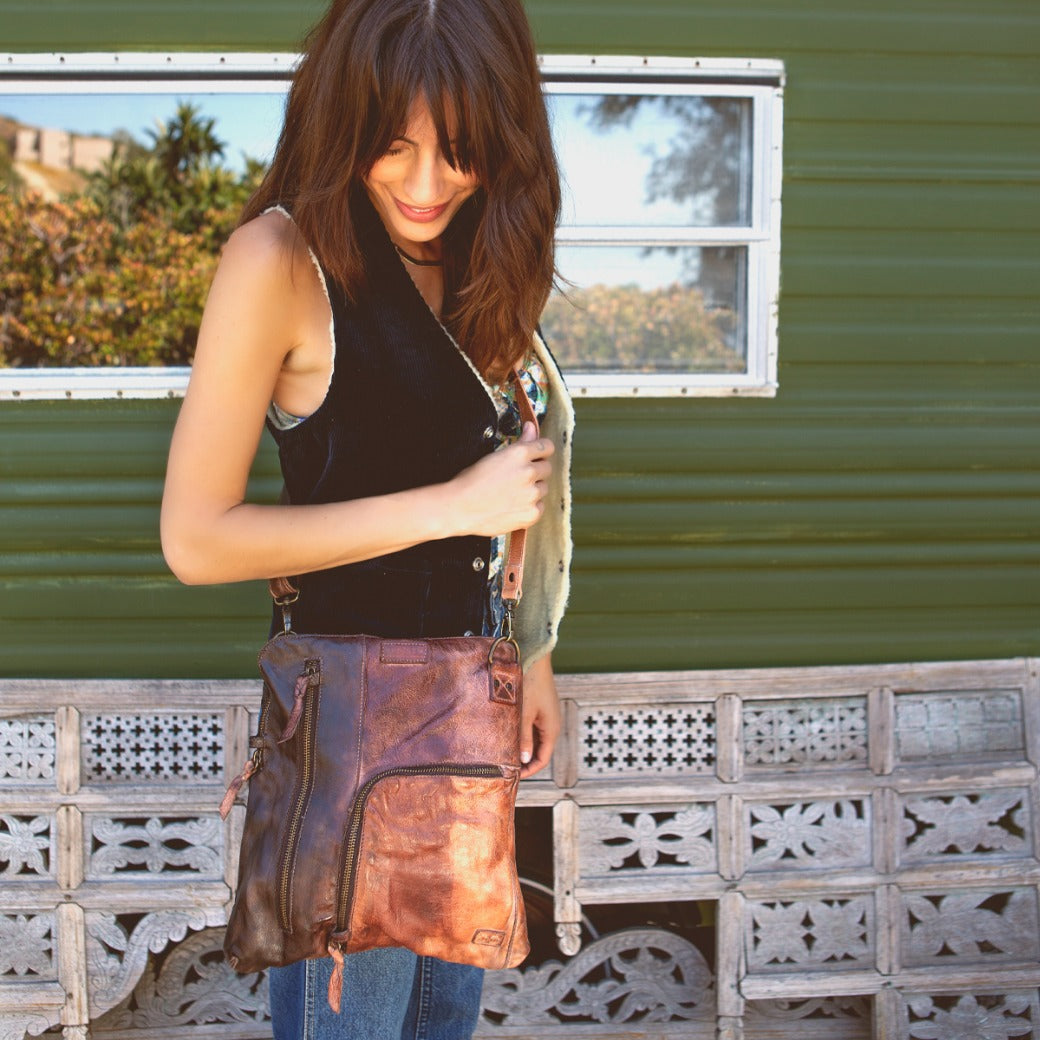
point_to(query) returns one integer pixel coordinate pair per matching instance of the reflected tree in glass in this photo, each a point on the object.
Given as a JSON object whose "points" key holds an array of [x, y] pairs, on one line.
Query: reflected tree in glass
{"points": [[673, 307], [704, 167]]}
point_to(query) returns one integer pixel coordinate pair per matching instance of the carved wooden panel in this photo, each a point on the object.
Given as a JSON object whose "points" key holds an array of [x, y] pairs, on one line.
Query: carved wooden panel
{"points": [[948, 827], [28, 946], [943, 725], [864, 839], [818, 835], [118, 945], [648, 839], [154, 845], [972, 925], [191, 985], [632, 978], [26, 847], [27, 750], [973, 1016], [830, 934], [631, 740], [828, 731], [153, 748]]}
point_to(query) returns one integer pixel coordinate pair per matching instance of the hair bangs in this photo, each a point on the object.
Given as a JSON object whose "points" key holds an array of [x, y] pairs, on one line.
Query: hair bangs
{"points": [[395, 80], [452, 104], [473, 64]]}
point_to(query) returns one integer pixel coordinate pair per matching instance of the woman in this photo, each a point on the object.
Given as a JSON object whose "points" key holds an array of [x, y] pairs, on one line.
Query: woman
{"points": [[384, 283]]}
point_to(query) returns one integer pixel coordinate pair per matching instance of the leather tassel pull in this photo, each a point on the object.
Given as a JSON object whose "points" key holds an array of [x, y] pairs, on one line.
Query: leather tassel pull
{"points": [[336, 979], [235, 786], [303, 684]]}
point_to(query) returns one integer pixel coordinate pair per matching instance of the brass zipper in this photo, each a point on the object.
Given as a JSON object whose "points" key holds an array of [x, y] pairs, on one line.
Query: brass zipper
{"points": [[304, 785], [352, 843], [261, 725]]}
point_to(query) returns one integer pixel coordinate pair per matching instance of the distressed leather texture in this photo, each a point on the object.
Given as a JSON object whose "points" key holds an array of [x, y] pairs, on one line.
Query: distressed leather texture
{"points": [[381, 808]]}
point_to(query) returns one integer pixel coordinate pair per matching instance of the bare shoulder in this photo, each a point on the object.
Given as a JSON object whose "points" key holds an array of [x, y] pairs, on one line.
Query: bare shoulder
{"points": [[267, 248]]}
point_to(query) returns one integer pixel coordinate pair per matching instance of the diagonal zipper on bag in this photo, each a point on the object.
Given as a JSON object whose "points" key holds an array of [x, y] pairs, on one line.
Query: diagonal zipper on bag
{"points": [[301, 796], [353, 839]]}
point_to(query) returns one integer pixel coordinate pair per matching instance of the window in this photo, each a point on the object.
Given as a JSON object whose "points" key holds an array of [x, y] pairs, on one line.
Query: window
{"points": [[669, 241], [670, 228]]}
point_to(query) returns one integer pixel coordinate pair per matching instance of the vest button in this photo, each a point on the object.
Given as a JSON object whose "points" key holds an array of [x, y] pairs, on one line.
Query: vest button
{"points": [[489, 432], [478, 564]]}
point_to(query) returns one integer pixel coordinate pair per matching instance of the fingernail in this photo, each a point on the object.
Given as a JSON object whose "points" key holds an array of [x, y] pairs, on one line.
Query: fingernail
{"points": [[525, 757]]}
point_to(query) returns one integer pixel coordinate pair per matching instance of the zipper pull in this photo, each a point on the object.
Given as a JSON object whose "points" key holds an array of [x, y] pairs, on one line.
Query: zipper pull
{"points": [[308, 677], [236, 785], [336, 979]]}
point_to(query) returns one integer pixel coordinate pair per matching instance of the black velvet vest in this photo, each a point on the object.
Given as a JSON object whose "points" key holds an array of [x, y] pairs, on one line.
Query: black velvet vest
{"points": [[404, 409]]}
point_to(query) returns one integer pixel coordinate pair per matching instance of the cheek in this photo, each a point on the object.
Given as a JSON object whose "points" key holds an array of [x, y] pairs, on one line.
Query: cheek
{"points": [[468, 183], [377, 175]]}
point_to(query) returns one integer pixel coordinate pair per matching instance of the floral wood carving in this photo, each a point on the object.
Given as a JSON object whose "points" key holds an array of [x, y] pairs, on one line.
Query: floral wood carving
{"points": [[647, 839], [823, 731], [193, 985], [1005, 1016], [117, 948], [792, 935], [155, 845], [28, 946], [827, 1008], [26, 846], [828, 833], [938, 827], [16, 1026], [630, 976], [974, 925], [27, 749]]}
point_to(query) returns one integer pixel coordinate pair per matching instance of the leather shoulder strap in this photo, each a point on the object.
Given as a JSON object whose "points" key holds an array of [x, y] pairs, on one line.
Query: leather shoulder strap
{"points": [[513, 572]]}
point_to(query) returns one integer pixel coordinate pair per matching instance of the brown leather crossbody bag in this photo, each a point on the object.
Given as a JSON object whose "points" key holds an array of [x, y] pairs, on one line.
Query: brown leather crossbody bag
{"points": [[382, 787]]}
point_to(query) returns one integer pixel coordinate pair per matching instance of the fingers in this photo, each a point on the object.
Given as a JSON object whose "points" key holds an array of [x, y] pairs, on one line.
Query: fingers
{"points": [[541, 721], [536, 748], [541, 447]]}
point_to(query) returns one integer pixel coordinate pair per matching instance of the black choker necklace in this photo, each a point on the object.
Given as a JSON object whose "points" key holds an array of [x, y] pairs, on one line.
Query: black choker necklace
{"points": [[412, 260]]}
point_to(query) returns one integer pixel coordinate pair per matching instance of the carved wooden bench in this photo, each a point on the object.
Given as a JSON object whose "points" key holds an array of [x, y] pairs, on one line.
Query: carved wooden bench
{"points": [[865, 837]]}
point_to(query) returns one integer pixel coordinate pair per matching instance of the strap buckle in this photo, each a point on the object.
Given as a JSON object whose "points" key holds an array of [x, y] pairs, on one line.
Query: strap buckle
{"points": [[285, 602]]}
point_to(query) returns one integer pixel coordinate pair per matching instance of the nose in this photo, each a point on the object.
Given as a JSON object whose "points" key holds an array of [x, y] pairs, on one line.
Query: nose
{"points": [[425, 179]]}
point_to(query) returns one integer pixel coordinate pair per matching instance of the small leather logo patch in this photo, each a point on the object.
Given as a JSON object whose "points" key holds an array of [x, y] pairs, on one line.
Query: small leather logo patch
{"points": [[403, 651], [505, 684], [488, 937]]}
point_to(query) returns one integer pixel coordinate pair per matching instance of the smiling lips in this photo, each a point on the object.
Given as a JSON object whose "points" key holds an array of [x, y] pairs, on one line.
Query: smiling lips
{"points": [[420, 216]]}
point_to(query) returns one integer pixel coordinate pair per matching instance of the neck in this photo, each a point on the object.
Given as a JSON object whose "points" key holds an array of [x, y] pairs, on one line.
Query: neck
{"points": [[416, 261]]}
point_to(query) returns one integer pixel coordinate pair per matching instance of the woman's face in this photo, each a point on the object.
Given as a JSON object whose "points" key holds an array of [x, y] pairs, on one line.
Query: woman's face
{"points": [[414, 188]]}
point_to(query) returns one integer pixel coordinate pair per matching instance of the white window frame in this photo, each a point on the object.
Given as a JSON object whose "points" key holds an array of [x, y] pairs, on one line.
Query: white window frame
{"points": [[761, 80]]}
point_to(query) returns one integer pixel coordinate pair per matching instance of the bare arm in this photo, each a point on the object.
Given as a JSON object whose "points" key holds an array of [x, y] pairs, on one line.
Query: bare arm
{"points": [[255, 318]]}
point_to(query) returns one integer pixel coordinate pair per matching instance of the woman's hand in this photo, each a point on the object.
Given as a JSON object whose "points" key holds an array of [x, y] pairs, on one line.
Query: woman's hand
{"points": [[540, 721], [504, 491]]}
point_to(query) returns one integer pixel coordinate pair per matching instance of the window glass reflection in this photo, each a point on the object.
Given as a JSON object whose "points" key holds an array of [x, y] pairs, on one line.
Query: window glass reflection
{"points": [[246, 124], [155, 181], [654, 160], [650, 309]]}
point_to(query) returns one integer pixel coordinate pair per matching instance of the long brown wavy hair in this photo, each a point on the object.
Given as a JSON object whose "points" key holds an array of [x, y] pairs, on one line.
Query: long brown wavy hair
{"points": [[474, 64]]}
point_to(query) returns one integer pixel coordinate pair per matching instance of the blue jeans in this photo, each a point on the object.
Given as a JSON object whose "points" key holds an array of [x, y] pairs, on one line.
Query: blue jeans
{"points": [[388, 994]]}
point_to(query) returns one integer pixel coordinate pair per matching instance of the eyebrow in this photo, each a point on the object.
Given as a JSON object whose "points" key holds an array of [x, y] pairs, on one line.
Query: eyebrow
{"points": [[408, 140]]}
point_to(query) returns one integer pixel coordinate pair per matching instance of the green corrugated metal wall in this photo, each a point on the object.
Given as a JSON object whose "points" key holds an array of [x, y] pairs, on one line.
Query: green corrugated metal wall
{"points": [[883, 507]]}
